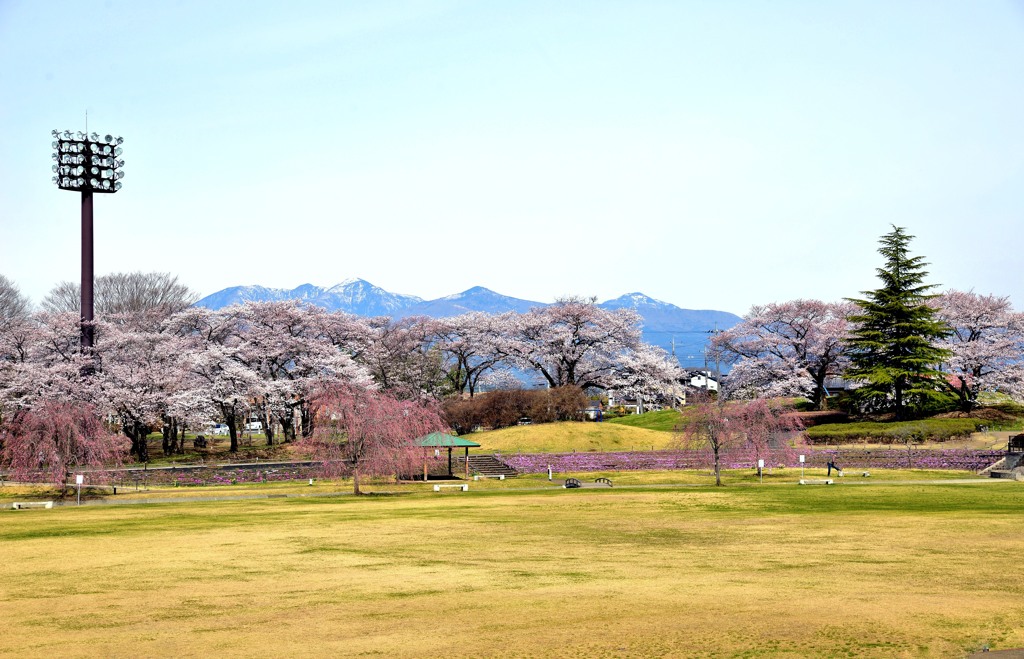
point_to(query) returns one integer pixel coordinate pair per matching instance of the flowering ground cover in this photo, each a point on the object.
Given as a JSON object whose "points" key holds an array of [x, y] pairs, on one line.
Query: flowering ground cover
{"points": [[879, 458]]}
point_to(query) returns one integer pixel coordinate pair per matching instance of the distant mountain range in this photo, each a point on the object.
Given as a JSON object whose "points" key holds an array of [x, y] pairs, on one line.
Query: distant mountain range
{"points": [[683, 331]]}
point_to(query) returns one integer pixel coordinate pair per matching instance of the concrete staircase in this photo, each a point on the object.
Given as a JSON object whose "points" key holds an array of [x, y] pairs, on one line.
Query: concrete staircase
{"points": [[1009, 467], [485, 465]]}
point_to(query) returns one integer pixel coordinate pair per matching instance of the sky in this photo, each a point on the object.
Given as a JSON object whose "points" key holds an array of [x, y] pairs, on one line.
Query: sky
{"points": [[714, 155]]}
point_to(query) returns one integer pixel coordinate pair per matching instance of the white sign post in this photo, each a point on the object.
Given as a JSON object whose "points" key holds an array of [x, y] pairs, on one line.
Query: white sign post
{"points": [[801, 467], [79, 479], [760, 470], [549, 472]]}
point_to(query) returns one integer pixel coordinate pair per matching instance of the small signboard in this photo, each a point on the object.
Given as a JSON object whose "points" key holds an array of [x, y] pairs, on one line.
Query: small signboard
{"points": [[79, 479], [801, 459]]}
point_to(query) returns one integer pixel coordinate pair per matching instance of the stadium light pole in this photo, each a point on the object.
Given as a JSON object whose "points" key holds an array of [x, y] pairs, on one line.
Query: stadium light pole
{"points": [[87, 163]]}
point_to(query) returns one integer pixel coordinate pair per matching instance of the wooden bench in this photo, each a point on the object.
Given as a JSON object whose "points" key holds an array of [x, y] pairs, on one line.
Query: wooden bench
{"points": [[821, 481], [571, 483], [461, 486], [604, 481], [25, 505]]}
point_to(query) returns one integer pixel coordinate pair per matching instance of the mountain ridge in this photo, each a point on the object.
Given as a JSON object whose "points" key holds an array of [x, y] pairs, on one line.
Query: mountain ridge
{"points": [[681, 331]]}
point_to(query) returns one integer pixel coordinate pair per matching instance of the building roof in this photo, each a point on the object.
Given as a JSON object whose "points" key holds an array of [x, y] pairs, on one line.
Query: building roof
{"points": [[441, 439]]}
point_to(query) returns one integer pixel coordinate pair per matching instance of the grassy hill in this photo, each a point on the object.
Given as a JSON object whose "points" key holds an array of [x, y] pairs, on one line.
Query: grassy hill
{"points": [[663, 421], [571, 436]]}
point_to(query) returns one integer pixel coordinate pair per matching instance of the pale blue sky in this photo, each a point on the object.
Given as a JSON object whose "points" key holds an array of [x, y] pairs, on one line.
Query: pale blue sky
{"points": [[710, 154]]}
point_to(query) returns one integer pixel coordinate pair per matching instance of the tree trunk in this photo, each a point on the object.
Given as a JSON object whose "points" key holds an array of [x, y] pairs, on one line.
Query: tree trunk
{"points": [[718, 468], [136, 431], [355, 480], [228, 411], [169, 433], [233, 434], [165, 435], [287, 427], [818, 396], [898, 399], [306, 419]]}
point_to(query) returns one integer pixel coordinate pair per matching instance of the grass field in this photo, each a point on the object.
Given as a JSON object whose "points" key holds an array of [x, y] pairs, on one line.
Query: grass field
{"points": [[571, 436], [663, 420], [869, 570]]}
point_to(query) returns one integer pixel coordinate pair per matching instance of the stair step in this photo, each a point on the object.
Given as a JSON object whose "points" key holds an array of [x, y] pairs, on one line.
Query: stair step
{"points": [[487, 465]]}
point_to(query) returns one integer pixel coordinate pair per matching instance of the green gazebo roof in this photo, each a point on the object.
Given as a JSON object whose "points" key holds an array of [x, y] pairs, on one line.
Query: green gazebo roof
{"points": [[441, 439]]}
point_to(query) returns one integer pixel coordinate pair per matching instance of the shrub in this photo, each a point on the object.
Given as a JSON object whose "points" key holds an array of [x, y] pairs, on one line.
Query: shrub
{"points": [[504, 408], [937, 430]]}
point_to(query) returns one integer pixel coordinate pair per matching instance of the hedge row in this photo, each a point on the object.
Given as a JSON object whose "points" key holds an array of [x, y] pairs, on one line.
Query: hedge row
{"points": [[898, 432]]}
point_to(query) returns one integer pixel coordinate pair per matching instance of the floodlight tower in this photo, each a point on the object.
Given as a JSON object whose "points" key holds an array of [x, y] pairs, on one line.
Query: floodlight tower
{"points": [[87, 164]]}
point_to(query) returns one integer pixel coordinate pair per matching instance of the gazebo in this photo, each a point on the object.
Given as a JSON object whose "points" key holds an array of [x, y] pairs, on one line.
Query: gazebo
{"points": [[439, 440]]}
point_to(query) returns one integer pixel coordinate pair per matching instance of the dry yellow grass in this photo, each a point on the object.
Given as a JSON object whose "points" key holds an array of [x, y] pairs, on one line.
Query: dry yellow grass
{"points": [[880, 570], [571, 436]]}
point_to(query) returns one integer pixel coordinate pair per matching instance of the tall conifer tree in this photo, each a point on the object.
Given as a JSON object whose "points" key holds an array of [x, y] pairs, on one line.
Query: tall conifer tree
{"points": [[893, 341]]}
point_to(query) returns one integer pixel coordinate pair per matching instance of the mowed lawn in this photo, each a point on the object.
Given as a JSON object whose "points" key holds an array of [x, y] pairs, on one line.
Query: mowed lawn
{"points": [[869, 570]]}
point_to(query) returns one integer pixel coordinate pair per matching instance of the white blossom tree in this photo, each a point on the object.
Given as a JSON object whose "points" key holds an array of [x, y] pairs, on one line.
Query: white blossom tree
{"points": [[291, 347], [572, 342], [139, 372], [647, 373], [788, 348], [986, 346], [471, 348], [403, 357], [218, 385]]}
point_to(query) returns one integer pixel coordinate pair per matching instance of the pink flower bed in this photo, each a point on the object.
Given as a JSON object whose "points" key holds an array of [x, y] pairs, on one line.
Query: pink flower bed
{"points": [[958, 459]]}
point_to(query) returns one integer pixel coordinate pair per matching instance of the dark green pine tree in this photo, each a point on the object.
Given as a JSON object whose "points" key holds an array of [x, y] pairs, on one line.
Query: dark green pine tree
{"points": [[892, 343]]}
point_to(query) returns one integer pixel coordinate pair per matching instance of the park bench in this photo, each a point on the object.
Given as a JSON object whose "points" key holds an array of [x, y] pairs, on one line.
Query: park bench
{"points": [[604, 481], [461, 486], [815, 481], [500, 477], [1016, 444], [24, 505], [571, 483]]}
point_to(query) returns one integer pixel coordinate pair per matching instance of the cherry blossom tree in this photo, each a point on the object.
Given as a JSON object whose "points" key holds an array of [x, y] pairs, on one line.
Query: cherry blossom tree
{"points": [[736, 431], [471, 347], [139, 371], [364, 432], [571, 342], [13, 305], [647, 373], [986, 346], [764, 430], [403, 359], [707, 427], [788, 348], [43, 361], [218, 384], [53, 438], [292, 348], [17, 335]]}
